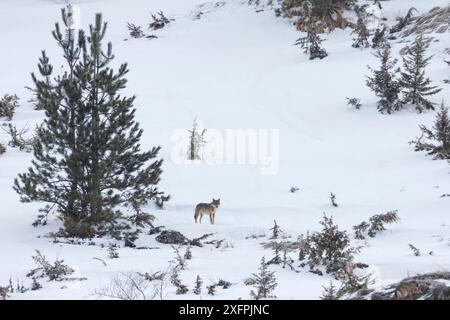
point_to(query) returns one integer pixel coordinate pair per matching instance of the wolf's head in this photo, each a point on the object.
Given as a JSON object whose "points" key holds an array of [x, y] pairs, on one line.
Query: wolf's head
{"points": [[216, 203]]}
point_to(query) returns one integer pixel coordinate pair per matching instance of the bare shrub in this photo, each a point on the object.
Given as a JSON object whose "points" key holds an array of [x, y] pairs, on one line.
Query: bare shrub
{"points": [[17, 138], [135, 286]]}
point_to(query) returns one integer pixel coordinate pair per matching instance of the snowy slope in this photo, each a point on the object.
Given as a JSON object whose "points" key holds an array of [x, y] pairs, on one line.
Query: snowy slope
{"points": [[236, 68]]}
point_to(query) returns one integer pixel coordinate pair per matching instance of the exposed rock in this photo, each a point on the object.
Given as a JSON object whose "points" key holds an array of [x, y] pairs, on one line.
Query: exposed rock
{"points": [[430, 286], [176, 237], [172, 237], [437, 20]]}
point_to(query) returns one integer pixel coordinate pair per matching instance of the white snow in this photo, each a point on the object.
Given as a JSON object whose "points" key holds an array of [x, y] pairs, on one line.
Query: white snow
{"points": [[238, 69]]}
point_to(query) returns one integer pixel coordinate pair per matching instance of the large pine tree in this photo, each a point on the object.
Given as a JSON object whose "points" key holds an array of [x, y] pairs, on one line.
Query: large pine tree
{"points": [[415, 85], [384, 83], [88, 160]]}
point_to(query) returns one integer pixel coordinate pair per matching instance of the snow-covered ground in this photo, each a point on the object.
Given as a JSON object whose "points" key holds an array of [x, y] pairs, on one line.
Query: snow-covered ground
{"points": [[237, 69]]}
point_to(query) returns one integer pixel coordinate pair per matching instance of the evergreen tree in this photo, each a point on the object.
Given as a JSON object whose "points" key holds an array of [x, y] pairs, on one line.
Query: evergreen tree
{"points": [[276, 230], [88, 160], [330, 293], [362, 39], [264, 282], [379, 38], [384, 83], [135, 31], [311, 45], [312, 41], [415, 86], [440, 133], [198, 285]]}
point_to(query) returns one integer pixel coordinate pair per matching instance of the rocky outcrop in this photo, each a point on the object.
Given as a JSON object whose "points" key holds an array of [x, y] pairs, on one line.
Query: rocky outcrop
{"points": [[437, 20], [430, 286]]}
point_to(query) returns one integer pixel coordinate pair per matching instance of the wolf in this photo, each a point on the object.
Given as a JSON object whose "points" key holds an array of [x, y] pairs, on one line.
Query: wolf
{"points": [[206, 209]]}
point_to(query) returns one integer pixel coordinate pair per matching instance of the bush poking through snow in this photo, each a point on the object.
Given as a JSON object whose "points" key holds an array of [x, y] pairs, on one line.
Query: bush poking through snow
{"points": [[176, 282], [333, 199], [329, 248], [360, 230], [221, 283], [112, 251], [330, 292], [311, 45], [2, 149], [159, 21], [351, 281], [375, 224], [8, 105], [35, 285], [197, 242], [179, 259], [188, 254], [281, 254], [276, 247], [354, 103], [198, 285], [440, 133], [211, 289], [135, 31], [378, 222], [264, 281], [224, 284], [414, 249], [276, 230], [56, 271]]}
